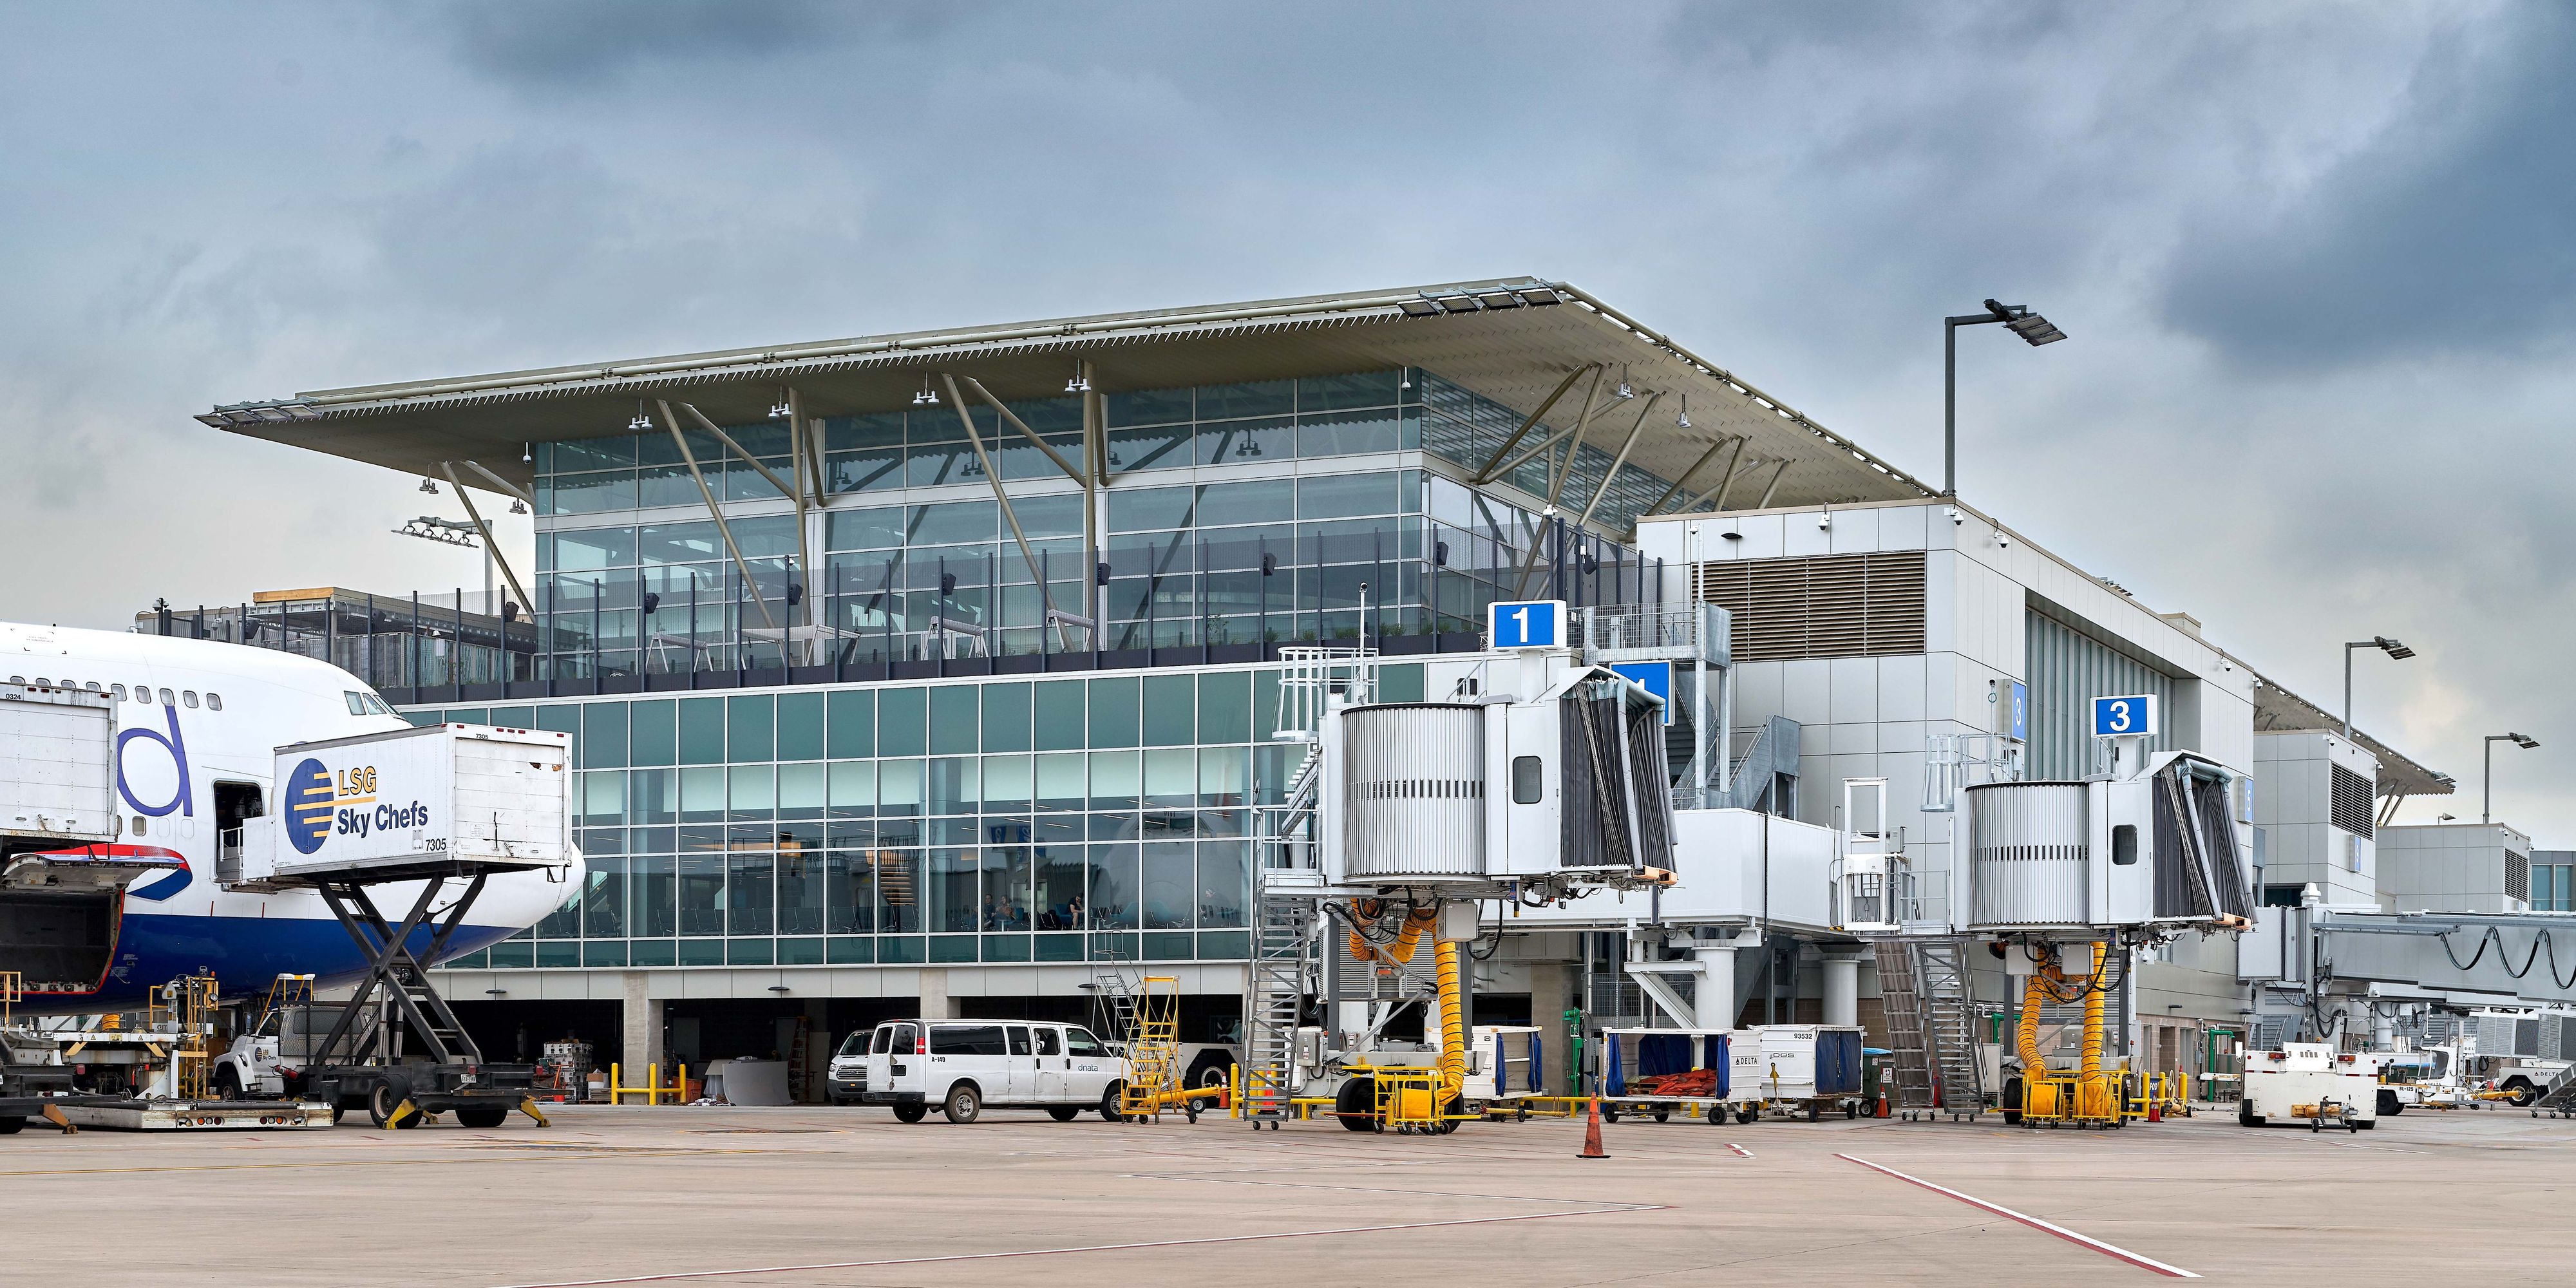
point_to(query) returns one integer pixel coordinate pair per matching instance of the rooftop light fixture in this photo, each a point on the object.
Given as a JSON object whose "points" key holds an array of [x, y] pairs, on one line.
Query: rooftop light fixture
{"points": [[1625, 390], [1081, 382], [2022, 322], [927, 397], [1683, 421], [2486, 786], [429, 487], [781, 409], [518, 506], [642, 424], [528, 452], [2384, 644]]}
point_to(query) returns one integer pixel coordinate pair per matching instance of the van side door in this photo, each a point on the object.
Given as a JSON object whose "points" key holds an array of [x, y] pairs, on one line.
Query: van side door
{"points": [[1092, 1069], [1053, 1066], [1021, 1066]]}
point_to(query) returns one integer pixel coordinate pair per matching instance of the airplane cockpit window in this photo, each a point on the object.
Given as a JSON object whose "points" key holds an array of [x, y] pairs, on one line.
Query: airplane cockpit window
{"points": [[377, 705], [214, 701], [167, 700], [191, 696], [357, 702]]}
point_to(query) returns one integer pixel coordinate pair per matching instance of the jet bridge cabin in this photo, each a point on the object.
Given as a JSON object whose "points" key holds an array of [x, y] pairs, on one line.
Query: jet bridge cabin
{"points": [[62, 872]]}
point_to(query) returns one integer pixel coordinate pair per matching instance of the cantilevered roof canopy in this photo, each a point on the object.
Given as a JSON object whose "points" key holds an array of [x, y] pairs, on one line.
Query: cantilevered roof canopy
{"points": [[1513, 340], [2278, 710]]}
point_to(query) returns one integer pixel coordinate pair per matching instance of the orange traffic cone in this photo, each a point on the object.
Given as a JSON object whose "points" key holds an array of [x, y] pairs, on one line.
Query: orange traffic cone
{"points": [[1592, 1132]]}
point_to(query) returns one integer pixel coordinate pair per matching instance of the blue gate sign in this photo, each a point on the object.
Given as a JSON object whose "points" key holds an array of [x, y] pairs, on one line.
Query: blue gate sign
{"points": [[2017, 720], [2125, 717], [1654, 677], [1533, 623]]}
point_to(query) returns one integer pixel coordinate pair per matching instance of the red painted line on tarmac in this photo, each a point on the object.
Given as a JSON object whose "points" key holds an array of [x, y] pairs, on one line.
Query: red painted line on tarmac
{"points": [[1739, 1149], [2108, 1250], [1094, 1247]]}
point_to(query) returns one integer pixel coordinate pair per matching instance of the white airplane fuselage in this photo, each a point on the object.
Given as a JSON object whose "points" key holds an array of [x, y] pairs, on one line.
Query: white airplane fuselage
{"points": [[172, 752]]}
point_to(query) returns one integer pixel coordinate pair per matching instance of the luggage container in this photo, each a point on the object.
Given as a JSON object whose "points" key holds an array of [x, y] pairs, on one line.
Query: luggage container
{"points": [[1650, 1073], [1800, 1069]]}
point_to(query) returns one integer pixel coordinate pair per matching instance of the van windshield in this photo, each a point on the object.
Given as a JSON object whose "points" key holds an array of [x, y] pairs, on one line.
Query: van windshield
{"points": [[855, 1044]]}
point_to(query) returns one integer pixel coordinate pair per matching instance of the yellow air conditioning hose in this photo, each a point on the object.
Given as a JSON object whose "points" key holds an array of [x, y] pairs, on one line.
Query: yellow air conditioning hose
{"points": [[2035, 1100], [1453, 1024], [2094, 1094]]}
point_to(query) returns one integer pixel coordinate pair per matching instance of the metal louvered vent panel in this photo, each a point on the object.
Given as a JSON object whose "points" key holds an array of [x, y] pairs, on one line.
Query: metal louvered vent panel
{"points": [[2517, 876], [2350, 808], [1866, 605]]}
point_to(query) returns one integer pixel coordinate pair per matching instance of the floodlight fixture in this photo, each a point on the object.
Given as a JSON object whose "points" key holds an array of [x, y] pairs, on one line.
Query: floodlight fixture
{"points": [[429, 487], [2022, 322], [1682, 421], [2392, 648], [641, 424], [2486, 790]]}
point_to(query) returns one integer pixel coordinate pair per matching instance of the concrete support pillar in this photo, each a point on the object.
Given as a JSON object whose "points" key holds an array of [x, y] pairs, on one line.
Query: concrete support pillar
{"points": [[641, 1026], [1715, 1000], [1842, 989], [1552, 988], [935, 1003]]}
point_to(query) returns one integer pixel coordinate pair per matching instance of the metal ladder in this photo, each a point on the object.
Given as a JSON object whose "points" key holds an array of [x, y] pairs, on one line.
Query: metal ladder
{"points": [[2558, 1095], [1284, 948], [1931, 1023]]}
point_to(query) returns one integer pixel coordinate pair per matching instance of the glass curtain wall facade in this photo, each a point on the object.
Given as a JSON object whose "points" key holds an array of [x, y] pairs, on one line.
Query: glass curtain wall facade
{"points": [[1236, 514], [1101, 818]]}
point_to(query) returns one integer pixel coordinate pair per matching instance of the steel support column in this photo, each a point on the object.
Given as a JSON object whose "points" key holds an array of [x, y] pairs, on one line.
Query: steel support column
{"points": [[490, 547], [715, 512]]}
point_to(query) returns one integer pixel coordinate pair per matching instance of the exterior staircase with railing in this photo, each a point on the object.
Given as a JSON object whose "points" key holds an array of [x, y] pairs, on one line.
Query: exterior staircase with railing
{"points": [[1931, 1023]]}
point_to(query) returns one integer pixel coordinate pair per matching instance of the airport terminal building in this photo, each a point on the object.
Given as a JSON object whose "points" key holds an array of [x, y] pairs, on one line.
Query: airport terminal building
{"points": [[937, 673]]}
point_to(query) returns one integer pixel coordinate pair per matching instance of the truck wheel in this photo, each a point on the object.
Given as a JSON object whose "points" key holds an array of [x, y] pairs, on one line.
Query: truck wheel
{"points": [[1747, 1114], [2388, 1106], [2364, 1124], [2245, 1115], [2012, 1102], [12, 1126], [964, 1103], [1110, 1100], [2523, 1092], [483, 1117], [910, 1113], [1356, 1104], [383, 1099], [1063, 1113], [228, 1084]]}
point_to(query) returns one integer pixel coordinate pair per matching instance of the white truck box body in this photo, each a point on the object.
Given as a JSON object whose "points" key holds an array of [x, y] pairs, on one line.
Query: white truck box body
{"points": [[58, 764], [402, 796], [2311, 1073]]}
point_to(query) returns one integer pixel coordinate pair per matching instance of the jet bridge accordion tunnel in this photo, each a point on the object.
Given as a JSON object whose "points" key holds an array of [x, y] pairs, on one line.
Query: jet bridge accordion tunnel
{"points": [[1441, 792], [2061, 860]]}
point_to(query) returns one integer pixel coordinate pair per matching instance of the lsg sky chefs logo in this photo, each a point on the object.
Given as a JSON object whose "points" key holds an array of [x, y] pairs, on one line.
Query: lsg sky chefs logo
{"points": [[322, 803]]}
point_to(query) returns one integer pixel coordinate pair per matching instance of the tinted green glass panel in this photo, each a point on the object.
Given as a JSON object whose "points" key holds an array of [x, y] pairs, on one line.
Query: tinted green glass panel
{"points": [[603, 735], [702, 732], [1170, 715], [656, 732], [1059, 721], [952, 719], [902, 716], [1006, 717], [800, 726], [752, 725], [854, 724], [1113, 712], [1225, 707]]}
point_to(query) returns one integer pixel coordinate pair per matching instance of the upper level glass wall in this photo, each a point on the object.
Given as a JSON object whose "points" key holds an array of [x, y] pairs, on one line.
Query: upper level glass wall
{"points": [[1206, 538]]}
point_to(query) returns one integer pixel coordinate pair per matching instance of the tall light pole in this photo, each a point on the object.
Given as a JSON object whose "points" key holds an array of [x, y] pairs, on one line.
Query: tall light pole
{"points": [[2024, 323], [2384, 644], [2486, 784]]}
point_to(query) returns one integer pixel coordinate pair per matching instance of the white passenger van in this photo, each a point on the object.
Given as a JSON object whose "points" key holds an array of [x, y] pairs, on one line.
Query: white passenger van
{"points": [[964, 1065]]}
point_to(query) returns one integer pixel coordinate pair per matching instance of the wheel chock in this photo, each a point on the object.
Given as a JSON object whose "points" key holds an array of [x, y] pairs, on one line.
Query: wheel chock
{"points": [[401, 1111]]}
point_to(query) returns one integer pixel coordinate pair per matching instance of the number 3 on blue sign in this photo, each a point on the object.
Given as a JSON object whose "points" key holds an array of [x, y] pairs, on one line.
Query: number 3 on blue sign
{"points": [[2129, 716], [1525, 624]]}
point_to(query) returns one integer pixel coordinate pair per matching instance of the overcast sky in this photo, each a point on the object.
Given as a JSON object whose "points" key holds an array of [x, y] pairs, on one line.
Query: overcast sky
{"points": [[2318, 261]]}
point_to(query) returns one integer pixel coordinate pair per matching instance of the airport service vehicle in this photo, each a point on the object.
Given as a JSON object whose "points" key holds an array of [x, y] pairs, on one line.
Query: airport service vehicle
{"points": [[2311, 1082], [963, 1066], [135, 773]]}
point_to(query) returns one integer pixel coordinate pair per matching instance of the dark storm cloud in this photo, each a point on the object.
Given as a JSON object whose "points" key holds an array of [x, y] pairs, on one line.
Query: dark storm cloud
{"points": [[2454, 231], [580, 42]]}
